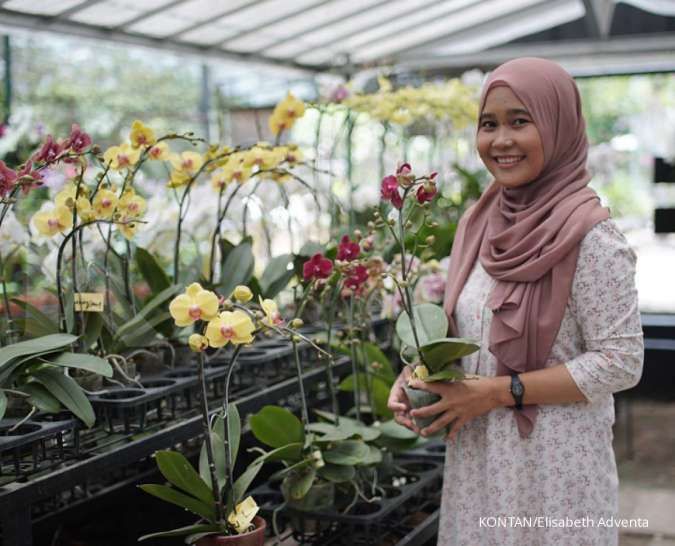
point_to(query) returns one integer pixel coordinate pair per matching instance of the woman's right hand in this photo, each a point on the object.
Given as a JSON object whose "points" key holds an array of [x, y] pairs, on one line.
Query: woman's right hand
{"points": [[398, 401]]}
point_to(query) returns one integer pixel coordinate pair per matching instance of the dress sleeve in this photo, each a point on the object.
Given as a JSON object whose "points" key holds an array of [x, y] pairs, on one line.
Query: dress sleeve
{"points": [[604, 302]]}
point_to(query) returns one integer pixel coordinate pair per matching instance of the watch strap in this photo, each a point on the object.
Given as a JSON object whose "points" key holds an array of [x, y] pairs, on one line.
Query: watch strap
{"points": [[517, 391]]}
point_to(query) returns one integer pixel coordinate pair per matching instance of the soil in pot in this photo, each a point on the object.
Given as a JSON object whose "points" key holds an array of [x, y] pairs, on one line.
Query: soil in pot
{"points": [[252, 538], [418, 399]]}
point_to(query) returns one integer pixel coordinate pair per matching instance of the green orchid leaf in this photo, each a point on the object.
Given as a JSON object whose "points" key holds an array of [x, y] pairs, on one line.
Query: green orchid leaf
{"points": [[184, 531], [80, 361], [440, 353], [92, 329], [36, 323], [296, 485], [276, 427], [151, 271], [391, 429], [238, 267], [42, 344], [336, 473], [41, 398], [329, 433], [276, 275], [374, 456], [3, 403], [66, 391], [168, 494], [348, 452], [218, 445], [179, 472], [449, 374], [430, 322]]}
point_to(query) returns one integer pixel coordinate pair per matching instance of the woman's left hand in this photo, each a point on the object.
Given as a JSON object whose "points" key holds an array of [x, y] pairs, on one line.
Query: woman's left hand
{"points": [[460, 402]]}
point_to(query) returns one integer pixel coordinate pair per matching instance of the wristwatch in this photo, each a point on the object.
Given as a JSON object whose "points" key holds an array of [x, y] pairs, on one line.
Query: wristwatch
{"points": [[517, 390]]}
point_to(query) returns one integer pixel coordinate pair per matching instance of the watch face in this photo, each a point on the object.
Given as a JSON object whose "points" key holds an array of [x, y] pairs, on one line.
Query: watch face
{"points": [[518, 389]]}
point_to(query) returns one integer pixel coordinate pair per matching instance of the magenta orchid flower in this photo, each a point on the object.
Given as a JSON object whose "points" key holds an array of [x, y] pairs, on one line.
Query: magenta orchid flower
{"points": [[317, 267], [348, 250]]}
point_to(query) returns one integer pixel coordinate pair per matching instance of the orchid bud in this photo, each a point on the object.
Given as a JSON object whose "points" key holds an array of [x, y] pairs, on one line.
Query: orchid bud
{"points": [[430, 240], [296, 323]]}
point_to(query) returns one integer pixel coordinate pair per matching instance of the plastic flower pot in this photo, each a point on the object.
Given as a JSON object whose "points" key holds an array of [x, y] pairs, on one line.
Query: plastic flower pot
{"points": [[252, 538], [419, 399]]}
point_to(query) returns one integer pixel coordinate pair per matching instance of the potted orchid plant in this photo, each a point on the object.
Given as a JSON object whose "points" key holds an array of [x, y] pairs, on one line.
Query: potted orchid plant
{"points": [[422, 329]]}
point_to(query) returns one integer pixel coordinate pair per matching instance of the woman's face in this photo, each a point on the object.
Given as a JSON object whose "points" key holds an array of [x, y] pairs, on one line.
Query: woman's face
{"points": [[508, 141]]}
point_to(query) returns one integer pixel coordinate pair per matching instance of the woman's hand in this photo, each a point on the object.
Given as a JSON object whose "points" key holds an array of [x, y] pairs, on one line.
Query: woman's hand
{"points": [[398, 401], [460, 402]]}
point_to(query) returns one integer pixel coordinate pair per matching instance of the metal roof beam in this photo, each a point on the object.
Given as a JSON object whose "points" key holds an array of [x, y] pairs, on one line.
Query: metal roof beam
{"points": [[147, 14], [74, 9], [12, 20], [273, 22], [653, 52], [321, 26], [598, 19]]}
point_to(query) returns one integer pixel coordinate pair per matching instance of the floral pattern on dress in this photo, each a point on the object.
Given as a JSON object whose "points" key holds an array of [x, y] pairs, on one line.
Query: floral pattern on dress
{"points": [[566, 468]]}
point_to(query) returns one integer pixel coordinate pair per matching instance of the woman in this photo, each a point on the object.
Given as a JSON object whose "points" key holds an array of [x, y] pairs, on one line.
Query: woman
{"points": [[545, 280]]}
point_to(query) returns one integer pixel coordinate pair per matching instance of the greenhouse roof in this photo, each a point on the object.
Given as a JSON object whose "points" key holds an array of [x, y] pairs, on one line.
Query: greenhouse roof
{"points": [[588, 36]]}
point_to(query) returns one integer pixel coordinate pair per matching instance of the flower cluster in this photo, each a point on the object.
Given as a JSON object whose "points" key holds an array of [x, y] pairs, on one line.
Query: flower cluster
{"points": [[451, 101], [226, 322], [285, 114], [393, 188]]}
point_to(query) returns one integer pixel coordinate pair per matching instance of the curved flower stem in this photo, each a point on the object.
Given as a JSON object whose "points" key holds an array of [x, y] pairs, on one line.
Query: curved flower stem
{"points": [[355, 367], [216, 232], [226, 423], [245, 213], [330, 361], [207, 438], [301, 385]]}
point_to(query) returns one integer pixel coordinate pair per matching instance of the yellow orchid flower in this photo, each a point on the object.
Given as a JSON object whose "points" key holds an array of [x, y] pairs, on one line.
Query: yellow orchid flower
{"points": [[159, 151], [280, 177], [195, 304], [263, 158], [105, 202], [121, 157], [286, 113], [127, 227], [84, 210], [292, 154], [234, 327], [131, 204], [51, 222], [272, 315], [236, 171], [187, 162], [141, 136], [242, 294], [219, 180], [243, 514], [198, 343], [178, 179], [66, 197]]}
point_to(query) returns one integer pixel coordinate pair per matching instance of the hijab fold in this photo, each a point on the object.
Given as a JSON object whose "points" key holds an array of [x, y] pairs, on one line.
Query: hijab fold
{"points": [[527, 238]]}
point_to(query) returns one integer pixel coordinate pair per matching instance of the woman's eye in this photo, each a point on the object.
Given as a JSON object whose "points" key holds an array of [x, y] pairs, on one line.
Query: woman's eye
{"points": [[521, 121], [487, 125]]}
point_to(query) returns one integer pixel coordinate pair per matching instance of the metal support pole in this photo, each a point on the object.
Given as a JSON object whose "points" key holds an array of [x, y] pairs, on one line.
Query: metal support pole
{"points": [[7, 98], [205, 102]]}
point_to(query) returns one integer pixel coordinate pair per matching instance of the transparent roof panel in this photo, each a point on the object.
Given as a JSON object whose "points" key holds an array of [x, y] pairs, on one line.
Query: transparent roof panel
{"points": [[161, 24], [415, 21], [379, 15], [46, 7], [441, 26], [107, 14], [212, 33], [301, 23], [500, 32]]}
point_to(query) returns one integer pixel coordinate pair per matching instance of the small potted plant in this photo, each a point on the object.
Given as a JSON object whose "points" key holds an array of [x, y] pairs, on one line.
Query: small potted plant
{"points": [[422, 329]]}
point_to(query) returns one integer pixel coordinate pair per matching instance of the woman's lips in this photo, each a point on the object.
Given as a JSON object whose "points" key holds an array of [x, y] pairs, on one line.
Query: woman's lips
{"points": [[508, 161]]}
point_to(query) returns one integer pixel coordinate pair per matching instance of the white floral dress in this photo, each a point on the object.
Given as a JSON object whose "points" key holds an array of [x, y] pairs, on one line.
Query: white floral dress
{"points": [[565, 470]]}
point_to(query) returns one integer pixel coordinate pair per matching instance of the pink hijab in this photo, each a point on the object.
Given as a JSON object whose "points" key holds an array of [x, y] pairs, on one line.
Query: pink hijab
{"points": [[527, 238]]}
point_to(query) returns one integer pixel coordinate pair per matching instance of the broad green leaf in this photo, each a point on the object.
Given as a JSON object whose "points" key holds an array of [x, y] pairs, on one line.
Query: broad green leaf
{"points": [[276, 275], [374, 456], [430, 321], [168, 494], [242, 483], [36, 322], [375, 354], [378, 388], [66, 391], [442, 352], [183, 531], [329, 433], [92, 328], [452, 373], [145, 332], [151, 271], [350, 425], [238, 267], [42, 344], [218, 445], [295, 486], [81, 361], [310, 248], [179, 472], [290, 453], [234, 430], [276, 427], [391, 429], [3, 403], [69, 311], [41, 398], [348, 452], [143, 316], [336, 473]]}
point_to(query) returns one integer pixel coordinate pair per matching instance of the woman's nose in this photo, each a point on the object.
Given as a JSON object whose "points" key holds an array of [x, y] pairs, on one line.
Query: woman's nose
{"points": [[503, 139]]}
